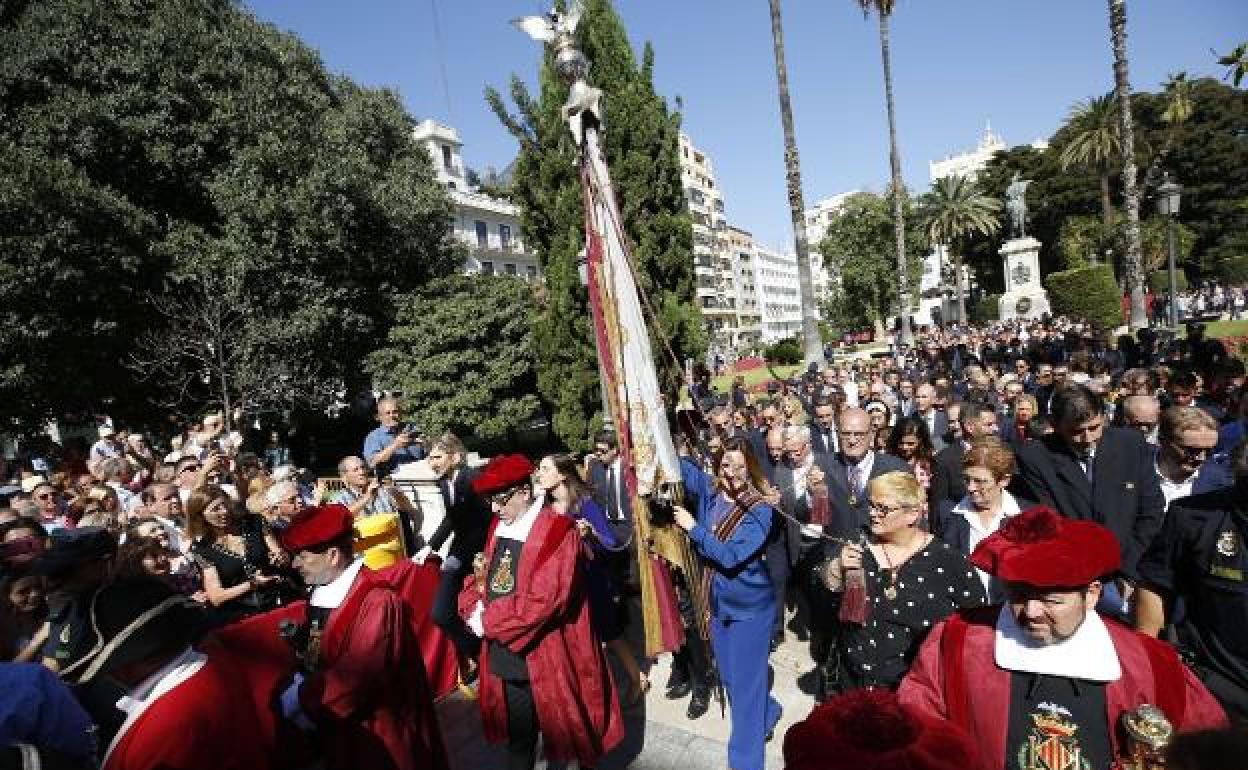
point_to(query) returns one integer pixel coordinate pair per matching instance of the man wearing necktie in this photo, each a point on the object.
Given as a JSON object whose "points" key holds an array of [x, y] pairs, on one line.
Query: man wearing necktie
{"points": [[467, 519], [1087, 469]]}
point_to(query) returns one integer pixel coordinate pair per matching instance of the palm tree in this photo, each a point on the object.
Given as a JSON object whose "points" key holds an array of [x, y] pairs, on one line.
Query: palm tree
{"points": [[954, 209], [813, 344], [1095, 144], [884, 9], [1130, 192]]}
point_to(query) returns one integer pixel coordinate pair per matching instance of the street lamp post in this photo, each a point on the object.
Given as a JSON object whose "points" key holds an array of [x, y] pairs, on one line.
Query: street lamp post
{"points": [[1168, 195]]}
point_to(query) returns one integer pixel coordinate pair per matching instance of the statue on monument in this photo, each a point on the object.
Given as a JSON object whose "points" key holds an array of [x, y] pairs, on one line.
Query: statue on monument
{"points": [[1016, 205]]}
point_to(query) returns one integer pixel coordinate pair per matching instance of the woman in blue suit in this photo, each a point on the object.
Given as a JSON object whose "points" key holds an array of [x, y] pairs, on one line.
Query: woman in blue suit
{"points": [[730, 534]]}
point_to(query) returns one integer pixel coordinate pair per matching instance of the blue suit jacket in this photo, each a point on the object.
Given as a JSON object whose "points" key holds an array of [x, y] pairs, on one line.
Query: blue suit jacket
{"points": [[741, 585]]}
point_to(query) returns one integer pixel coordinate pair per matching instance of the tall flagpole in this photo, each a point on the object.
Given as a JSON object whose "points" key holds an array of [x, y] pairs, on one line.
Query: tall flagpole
{"points": [[625, 359]]}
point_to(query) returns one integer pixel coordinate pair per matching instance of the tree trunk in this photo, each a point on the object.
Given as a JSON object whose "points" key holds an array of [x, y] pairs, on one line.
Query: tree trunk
{"points": [[904, 335], [813, 344], [1107, 204], [1130, 192], [957, 280]]}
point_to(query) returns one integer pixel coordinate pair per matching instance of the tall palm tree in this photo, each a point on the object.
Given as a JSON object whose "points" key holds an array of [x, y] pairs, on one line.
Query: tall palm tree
{"points": [[813, 344], [1095, 145], [884, 9], [954, 209], [1130, 192]]}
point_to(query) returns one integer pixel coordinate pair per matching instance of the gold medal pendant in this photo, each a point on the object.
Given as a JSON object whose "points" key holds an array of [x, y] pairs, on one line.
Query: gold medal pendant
{"points": [[890, 593]]}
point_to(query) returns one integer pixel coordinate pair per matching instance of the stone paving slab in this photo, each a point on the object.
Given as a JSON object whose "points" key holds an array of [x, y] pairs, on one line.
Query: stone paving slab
{"points": [[658, 735]]}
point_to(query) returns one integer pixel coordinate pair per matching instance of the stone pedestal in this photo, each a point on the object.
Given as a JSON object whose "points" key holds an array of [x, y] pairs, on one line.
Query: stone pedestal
{"points": [[1024, 297]]}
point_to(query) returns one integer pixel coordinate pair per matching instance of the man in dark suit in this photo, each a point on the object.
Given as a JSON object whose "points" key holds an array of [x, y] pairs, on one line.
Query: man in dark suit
{"points": [[784, 547], [823, 427], [1087, 470], [847, 472], [947, 488], [936, 420], [606, 476], [468, 519]]}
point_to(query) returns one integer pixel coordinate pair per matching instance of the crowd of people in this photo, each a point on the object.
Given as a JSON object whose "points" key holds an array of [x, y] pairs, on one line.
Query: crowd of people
{"points": [[1013, 539]]}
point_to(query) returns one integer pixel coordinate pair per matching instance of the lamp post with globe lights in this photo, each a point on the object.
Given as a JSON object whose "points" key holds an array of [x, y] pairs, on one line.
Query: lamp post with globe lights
{"points": [[1168, 195]]}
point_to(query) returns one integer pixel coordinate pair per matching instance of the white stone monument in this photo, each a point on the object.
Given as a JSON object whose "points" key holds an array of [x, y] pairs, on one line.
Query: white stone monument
{"points": [[1024, 296]]}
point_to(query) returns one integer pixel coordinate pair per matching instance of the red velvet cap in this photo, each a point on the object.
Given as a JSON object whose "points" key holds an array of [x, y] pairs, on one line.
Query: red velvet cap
{"points": [[872, 730], [502, 473], [1041, 548], [317, 526]]}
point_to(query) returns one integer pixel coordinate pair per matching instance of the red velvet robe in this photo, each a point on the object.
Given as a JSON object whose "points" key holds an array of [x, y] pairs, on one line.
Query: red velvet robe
{"points": [[417, 584], [369, 698], [547, 621], [983, 688], [213, 720]]}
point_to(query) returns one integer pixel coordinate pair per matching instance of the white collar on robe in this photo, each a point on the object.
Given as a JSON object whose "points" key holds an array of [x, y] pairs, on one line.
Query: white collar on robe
{"points": [[151, 689], [334, 593], [519, 528], [1089, 654]]}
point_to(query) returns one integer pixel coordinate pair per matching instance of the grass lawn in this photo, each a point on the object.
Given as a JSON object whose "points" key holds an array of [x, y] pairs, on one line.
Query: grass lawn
{"points": [[753, 377], [1227, 329]]}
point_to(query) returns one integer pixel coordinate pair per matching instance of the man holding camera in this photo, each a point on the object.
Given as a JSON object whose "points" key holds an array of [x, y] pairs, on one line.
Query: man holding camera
{"points": [[393, 442]]}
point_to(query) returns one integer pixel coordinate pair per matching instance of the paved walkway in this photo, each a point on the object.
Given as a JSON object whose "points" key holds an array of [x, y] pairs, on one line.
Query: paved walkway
{"points": [[659, 737]]}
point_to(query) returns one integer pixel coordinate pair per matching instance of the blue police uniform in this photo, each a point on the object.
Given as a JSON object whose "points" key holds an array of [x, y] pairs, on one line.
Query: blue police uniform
{"points": [[743, 606]]}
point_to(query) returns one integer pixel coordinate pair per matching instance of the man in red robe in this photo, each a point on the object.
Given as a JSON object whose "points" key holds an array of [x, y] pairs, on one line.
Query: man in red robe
{"points": [[1044, 676], [184, 708], [542, 669], [363, 690]]}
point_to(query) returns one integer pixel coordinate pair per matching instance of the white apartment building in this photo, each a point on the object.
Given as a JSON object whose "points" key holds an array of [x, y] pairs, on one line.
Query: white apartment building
{"points": [[488, 226], [745, 267], [779, 296], [715, 281], [817, 218]]}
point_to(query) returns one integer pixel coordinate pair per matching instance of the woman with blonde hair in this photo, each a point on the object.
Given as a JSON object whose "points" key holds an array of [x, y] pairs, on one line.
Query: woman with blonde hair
{"points": [[912, 581]]}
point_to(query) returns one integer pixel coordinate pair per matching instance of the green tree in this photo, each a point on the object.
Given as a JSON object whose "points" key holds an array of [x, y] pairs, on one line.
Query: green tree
{"points": [[883, 10], [139, 142], [858, 245], [812, 349], [1133, 272], [642, 143], [462, 352], [1095, 144], [952, 211]]}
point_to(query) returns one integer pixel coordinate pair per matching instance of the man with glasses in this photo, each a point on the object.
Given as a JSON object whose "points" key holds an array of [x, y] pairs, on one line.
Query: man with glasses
{"points": [[393, 442], [1199, 558], [543, 669], [1142, 413], [784, 545], [1186, 464]]}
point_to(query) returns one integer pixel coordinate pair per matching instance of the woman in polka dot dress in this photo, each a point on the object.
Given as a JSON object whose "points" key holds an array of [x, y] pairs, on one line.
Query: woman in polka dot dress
{"points": [[913, 581]]}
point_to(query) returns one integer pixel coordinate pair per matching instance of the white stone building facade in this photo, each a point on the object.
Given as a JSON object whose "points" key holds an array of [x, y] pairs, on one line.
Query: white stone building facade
{"points": [[488, 226]]}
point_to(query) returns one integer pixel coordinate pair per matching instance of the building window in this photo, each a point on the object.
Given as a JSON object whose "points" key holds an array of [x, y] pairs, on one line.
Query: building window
{"points": [[504, 237], [448, 160], [487, 268], [483, 235], [530, 272], [509, 269]]}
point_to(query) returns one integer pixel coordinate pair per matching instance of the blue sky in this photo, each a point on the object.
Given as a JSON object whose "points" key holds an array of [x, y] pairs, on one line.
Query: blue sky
{"points": [[956, 64]]}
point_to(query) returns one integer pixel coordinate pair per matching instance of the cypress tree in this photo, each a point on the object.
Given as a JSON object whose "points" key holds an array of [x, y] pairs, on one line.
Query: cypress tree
{"points": [[641, 138]]}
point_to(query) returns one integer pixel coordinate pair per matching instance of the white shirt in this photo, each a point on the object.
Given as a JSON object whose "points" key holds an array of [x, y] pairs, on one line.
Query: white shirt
{"points": [[1087, 654], [1173, 490], [334, 593], [1009, 507]]}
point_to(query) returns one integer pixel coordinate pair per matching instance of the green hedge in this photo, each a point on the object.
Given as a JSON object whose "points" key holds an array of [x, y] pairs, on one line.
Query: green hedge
{"points": [[785, 351], [1087, 293], [986, 310], [1233, 270], [1159, 281]]}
